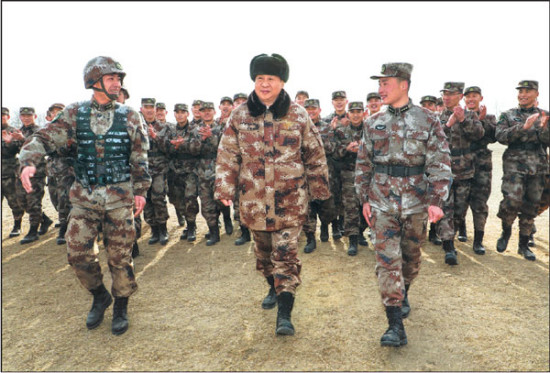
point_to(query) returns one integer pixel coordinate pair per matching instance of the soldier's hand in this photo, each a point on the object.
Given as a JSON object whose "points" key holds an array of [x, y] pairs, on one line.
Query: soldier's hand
{"points": [[544, 120], [345, 121], [139, 203], [177, 142], [6, 136], [434, 214], [531, 121], [451, 121], [482, 112], [366, 114], [459, 113], [353, 147], [334, 123], [152, 132], [367, 213], [205, 132], [226, 202], [26, 175]]}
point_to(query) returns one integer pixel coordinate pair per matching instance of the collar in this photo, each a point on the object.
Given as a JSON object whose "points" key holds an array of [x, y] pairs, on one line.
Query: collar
{"points": [[107, 106], [400, 110], [530, 110], [279, 108]]}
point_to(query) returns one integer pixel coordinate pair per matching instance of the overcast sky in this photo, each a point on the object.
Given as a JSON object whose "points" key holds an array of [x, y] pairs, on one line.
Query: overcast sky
{"points": [[177, 52]]}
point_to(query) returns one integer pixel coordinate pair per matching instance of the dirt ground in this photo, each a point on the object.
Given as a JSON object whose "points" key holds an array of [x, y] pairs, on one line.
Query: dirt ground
{"points": [[198, 308]]}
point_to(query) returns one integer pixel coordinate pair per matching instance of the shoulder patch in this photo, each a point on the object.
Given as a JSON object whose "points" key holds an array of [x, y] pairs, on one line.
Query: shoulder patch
{"points": [[380, 127]]}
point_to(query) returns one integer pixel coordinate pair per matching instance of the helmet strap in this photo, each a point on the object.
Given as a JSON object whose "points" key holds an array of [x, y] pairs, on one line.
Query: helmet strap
{"points": [[102, 89]]}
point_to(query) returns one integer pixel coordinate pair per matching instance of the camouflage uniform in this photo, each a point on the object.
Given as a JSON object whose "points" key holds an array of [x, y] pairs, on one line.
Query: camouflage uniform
{"points": [[102, 197], [273, 157], [10, 169], [63, 172]]}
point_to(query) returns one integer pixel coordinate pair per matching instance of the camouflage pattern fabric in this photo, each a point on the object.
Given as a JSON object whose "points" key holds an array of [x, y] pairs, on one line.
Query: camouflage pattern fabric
{"points": [[156, 209], [545, 197], [277, 256], [453, 211], [334, 166], [10, 169], [52, 181]]}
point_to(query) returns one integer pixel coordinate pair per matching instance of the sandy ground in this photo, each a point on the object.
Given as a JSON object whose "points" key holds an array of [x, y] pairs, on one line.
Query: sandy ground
{"points": [[198, 308]]}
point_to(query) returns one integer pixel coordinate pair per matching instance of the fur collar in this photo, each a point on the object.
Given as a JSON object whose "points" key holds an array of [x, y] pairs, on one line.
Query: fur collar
{"points": [[279, 108]]}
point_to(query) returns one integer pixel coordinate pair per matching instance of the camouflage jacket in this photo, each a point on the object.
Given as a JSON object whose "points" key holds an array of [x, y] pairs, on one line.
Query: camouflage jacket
{"points": [[182, 159], [158, 161], [410, 136], [327, 135], [62, 131], [460, 137], [272, 156], [489, 124], [344, 136], [10, 164], [206, 150], [28, 131], [526, 152]]}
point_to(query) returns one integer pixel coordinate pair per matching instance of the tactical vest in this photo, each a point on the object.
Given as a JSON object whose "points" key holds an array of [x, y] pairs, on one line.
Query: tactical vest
{"points": [[115, 166]]}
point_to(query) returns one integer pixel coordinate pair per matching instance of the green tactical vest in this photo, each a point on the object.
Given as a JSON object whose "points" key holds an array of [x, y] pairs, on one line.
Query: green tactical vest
{"points": [[115, 166]]}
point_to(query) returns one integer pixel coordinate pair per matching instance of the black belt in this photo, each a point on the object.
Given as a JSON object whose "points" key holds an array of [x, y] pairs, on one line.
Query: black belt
{"points": [[399, 171], [477, 146], [457, 152], [185, 156], [525, 146]]}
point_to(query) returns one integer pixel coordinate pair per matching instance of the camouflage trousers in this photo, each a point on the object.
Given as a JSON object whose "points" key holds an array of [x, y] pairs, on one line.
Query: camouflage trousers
{"points": [[397, 241], [32, 202], [9, 191], [53, 191], [480, 189], [156, 211], [185, 189], [454, 209], [236, 210], [210, 208], [324, 209], [350, 200], [335, 181], [170, 192], [277, 256], [521, 195], [64, 205], [545, 197], [118, 237]]}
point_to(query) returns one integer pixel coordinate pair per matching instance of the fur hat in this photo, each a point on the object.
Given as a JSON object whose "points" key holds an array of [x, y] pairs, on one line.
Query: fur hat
{"points": [[269, 65]]}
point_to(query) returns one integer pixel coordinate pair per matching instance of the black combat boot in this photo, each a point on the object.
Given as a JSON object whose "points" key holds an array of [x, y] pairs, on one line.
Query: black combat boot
{"points": [[155, 235], [16, 231], [32, 235], [352, 249], [245, 236], [324, 232], [336, 234], [46, 222], [341, 225], [184, 234], [532, 236], [285, 301], [462, 235], [191, 231], [163, 234], [57, 225], [214, 235], [61, 235], [228, 224], [135, 250], [120, 316], [270, 299], [502, 242], [102, 300], [523, 248], [450, 252], [395, 335], [478, 243], [405, 306], [311, 244], [362, 240], [433, 236]]}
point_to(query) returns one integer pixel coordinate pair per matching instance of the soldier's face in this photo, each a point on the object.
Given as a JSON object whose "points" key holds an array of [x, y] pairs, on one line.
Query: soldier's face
{"points": [[54, 112], [339, 104], [207, 115], [112, 83], [121, 98], [374, 105], [355, 116], [181, 116], [5, 120], [160, 114], [527, 97], [267, 88], [451, 99], [391, 90], [27, 119], [301, 99], [238, 101], [313, 112], [148, 112], [429, 105], [226, 108], [472, 100], [196, 109]]}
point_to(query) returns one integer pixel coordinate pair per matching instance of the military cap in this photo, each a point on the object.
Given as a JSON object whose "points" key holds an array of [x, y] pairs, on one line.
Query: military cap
{"points": [[207, 105], [275, 64], [226, 98], [529, 84], [181, 107], [148, 101], [302, 93], [356, 105], [428, 99], [56, 106], [453, 87], [312, 102], [240, 95], [125, 91], [395, 69], [338, 94], [5, 111], [373, 95], [160, 105], [26, 110], [439, 101], [471, 89], [196, 102]]}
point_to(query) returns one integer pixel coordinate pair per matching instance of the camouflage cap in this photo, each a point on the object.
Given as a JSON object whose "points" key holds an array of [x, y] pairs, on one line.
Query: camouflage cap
{"points": [[5, 111], [428, 99], [56, 106], [356, 105], [302, 93], [338, 94], [196, 102], [240, 95], [181, 107], [395, 69], [529, 84], [312, 102], [226, 98], [275, 65], [207, 105], [373, 95], [148, 102], [439, 101], [471, 89], [453, 87], [160, 105], [26, 110]]}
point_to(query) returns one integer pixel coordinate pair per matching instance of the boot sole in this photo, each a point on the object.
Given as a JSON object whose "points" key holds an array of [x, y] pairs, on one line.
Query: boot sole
{"points": [[119, 332], [269, 306], [451, 261], [284, 330], [462, 239], [402, 342], [352, 253]]}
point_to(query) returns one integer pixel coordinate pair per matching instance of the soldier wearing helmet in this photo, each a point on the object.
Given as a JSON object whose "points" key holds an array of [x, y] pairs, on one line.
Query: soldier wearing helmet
{"points": [[111, 172]]}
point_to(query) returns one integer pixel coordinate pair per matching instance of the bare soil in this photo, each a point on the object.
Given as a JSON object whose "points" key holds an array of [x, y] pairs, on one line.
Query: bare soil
{"points": [[198, 308]]}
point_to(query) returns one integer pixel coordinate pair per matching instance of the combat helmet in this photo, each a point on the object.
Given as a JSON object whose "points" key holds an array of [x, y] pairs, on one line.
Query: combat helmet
{"points": [[99, 66]]}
